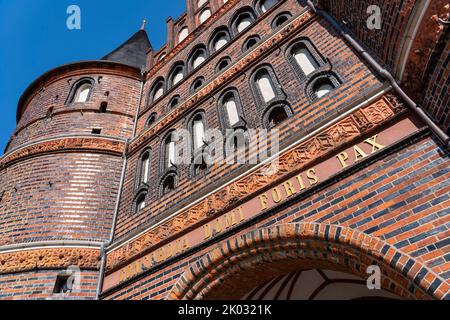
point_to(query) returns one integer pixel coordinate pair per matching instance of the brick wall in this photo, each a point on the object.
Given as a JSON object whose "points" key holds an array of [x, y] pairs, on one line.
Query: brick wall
{"points": [[358, 81], [119, 92], [437, 94], [384, 43], [78, 205], [401, 202], [39, 285]]}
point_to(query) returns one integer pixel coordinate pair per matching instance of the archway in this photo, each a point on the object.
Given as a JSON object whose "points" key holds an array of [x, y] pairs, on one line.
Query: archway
{"points": [[242, 263], [317, 284]]}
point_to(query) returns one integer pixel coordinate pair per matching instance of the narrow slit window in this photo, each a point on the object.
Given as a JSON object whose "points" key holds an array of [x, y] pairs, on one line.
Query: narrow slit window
{"points": [[198, 132], [145, 167], [232, 110]]}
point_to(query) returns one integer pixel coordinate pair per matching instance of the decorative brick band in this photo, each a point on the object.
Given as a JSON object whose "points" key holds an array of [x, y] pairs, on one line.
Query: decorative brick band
{"points": [[293, 161], [52, 258], [234, 71], [264, 253], [65, 144]]}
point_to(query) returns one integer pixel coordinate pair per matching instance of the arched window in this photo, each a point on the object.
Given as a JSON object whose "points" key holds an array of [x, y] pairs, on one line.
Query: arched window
{"points": [[236, 144], [198, 57], [168, 184], [200, 164], [197, 84], [265, 5], [198, 131], [322, 89], [184, 32], [140, 202], [200, 3], [162, 56], [157, 91], [173, 102], [177, 74], [251, 42], [205, 15], [223, 63], [304, 58], [219, 39], [277, 114], [231, 109], [81, 91], [281, 20], [169, 159], [243, 20], [265, 86], [322, 85], [151, 119], [144, 168]]}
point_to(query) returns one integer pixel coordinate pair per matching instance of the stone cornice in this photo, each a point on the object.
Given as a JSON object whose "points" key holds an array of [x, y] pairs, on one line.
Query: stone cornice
{"points": [[218, 82], [49, 258], [296, 159], [64, 144]]}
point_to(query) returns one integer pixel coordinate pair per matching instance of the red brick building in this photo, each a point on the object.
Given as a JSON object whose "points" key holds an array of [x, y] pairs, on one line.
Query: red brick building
{"points": [[91, 192]]}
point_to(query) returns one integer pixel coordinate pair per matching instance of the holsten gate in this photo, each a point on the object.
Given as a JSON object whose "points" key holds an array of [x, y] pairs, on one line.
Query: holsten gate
{"points": [[93, 204]]}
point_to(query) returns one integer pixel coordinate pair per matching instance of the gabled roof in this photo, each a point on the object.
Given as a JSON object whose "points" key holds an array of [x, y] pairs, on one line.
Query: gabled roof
{"points": [[133, 52]]}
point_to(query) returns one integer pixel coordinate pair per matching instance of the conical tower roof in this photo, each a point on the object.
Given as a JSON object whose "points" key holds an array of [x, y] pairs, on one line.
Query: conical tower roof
{"points": [[132, 52]]}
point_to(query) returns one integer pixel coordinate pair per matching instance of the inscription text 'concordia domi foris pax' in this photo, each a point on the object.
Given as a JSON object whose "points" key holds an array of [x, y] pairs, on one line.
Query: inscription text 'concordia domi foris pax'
{"points": [[253, 207], [265, 201]]}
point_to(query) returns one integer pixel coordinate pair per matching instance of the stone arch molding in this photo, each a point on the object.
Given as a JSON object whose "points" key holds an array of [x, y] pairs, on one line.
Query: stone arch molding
{"points": [[244, 261]]}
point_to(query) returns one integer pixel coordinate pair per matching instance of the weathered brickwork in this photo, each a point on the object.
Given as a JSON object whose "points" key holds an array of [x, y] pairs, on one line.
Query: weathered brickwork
{"points": [[371, 179], [38, 285], [48, 114], [61, 192], [380, 200], [437, 96], [384, 43], [233, 49], [61, 258], [357, 82]]}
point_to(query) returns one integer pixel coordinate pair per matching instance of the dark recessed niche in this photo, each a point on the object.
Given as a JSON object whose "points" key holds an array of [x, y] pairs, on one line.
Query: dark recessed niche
{"points": [[49, 112], [96, 131], [63, 284], [103, 107]]}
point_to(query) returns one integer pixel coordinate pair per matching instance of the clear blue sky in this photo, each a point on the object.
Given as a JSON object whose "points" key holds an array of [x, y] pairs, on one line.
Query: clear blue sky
{"points": [[34, 39]]}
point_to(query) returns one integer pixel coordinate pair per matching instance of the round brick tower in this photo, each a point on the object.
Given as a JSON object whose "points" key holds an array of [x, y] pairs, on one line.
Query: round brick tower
{"points": [[61, 171]]}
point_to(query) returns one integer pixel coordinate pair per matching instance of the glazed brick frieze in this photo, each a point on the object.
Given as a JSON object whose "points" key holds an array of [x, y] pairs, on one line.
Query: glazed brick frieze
{"points": [[63, 145], [344, 131], [60, 258]]}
